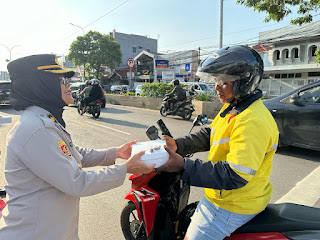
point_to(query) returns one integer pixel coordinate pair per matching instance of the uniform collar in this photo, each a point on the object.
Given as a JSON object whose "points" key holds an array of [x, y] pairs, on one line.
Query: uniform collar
{"points": [[42, 112]]}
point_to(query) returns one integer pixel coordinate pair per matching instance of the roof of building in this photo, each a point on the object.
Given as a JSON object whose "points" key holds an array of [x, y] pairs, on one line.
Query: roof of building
{"points": [[293, 32]]}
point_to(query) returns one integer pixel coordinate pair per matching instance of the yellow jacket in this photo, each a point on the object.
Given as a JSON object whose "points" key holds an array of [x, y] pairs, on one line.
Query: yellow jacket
{"points": [[247, 143]]}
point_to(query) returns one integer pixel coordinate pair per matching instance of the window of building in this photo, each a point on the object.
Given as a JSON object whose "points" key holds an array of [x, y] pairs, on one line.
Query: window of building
{"points": [[277, 76], [286, 53], [313, 51], [313, 74], [134, 49], [295, 52], [311, 80], [148, 50], [277, 52], [140, 47], [291, 75], [298, 75], [284, 75]]}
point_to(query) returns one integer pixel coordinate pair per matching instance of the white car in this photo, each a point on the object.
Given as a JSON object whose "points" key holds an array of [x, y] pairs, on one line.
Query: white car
{"points": [[138, 90], [199, 87]]}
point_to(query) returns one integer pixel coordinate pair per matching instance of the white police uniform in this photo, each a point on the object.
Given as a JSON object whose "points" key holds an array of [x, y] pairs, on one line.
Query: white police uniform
{"points": [[46, 179]]}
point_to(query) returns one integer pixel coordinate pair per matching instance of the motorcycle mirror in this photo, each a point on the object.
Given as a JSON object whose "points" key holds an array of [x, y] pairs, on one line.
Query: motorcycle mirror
{"points": [[152, 133], [200, 120]]}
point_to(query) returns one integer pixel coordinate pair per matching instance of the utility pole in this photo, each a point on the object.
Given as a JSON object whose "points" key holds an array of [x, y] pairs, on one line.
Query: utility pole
{"points": [[221, 24], [84, 64], [199, 61]]}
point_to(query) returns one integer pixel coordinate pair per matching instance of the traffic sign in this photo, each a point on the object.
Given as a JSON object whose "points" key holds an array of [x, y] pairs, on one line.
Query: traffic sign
{"points": [[130, 62], [187, 67]]}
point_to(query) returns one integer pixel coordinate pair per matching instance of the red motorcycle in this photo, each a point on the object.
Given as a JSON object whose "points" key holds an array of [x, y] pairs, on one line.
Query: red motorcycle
{"points": [[158, 209]]}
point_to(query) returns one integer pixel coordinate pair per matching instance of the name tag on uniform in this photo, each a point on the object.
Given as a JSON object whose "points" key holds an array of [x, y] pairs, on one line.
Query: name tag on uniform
{"points": [[64, 149]]}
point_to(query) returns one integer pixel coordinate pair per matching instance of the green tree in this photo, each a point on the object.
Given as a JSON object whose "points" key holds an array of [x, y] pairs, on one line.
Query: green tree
{"points": [[278, 9], [95, 50]]}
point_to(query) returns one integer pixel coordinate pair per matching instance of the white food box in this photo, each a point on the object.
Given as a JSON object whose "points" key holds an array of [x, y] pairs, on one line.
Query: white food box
{"points": [[5, 119], [155, 152]]}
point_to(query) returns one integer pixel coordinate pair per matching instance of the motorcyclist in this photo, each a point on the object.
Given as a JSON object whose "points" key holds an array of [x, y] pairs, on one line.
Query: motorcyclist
{"points": [[95, 93], [176, 95], [192, 91], [85, 92], [241, 141]]}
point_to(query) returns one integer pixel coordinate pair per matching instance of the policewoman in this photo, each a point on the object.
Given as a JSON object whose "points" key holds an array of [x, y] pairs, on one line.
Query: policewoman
{"points": [[43, 167]]}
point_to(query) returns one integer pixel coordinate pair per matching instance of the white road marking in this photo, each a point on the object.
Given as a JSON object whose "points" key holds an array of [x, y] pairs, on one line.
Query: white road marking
{"points": [[306, 192], [113, 129]]}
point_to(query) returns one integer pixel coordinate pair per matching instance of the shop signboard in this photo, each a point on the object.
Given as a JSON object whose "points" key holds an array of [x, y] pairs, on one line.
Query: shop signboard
{"points": [[162, 64], [167, 75]]}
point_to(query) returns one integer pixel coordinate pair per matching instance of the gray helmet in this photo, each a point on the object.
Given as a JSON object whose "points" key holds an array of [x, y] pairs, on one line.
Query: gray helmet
{"points": [[240, 64], [95, 81]]}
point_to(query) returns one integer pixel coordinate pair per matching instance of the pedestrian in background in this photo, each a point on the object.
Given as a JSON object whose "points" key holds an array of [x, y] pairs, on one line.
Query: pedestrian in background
{"points": [[43, 167]]}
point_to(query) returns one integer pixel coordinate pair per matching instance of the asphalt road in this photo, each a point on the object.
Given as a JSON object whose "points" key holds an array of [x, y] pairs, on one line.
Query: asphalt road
{"points": [[100, 214]]}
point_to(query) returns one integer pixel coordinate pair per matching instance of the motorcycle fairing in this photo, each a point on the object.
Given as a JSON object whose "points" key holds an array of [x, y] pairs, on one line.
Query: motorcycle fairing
{"points": [[141, 180], [146, 200], [184, 103], [257, 236]]}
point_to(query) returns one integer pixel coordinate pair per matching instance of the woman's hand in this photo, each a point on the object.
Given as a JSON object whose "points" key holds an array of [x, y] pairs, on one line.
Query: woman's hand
{"points": [[124, 151], [170, 142], [135, 165]]}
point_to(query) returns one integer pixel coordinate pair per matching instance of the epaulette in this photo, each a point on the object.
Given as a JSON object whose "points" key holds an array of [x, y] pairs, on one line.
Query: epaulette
{"points": [[48, 120]]}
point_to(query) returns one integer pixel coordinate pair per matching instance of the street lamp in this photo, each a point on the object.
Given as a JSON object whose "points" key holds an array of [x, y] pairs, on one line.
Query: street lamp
{"points": [[84, 64], [78, 27], [9, 49]]}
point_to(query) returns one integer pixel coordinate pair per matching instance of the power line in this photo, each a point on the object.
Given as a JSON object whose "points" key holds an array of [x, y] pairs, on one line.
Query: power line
{"points": [[106, 13], [99, 18], [231, 33]]}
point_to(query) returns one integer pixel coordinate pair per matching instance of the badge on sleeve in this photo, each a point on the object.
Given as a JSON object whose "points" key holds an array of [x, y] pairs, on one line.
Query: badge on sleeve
{"points": [[64, 149]]}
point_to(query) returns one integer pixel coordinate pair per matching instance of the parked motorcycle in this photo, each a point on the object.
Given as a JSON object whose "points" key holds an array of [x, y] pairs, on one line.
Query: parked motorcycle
{"points": [[183, 108], [93, 108], [158, 209]]}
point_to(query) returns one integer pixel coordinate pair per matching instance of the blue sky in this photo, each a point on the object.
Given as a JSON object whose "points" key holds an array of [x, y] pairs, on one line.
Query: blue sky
{"points": [[43, 26]]}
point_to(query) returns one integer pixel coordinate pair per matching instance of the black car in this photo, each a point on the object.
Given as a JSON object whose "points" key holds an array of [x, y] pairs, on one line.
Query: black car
{"points": [[78, 87], [4, 92], [297, 114]]}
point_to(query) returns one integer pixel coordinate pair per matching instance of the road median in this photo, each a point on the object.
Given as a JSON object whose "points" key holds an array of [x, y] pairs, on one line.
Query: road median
{"points": [[211, 109]]}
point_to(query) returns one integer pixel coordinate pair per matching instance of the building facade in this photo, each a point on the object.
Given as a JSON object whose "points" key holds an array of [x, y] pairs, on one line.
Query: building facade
{"points": [[131, 45], [4, 76], [289, 56], [154, 68]]}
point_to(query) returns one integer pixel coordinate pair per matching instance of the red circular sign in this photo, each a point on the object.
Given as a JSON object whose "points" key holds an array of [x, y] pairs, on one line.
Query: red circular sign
{"points": [[130, 62]]}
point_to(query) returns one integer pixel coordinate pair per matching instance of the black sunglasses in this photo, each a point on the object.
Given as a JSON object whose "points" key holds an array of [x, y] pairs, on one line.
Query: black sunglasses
{"points": [[65, 80]]}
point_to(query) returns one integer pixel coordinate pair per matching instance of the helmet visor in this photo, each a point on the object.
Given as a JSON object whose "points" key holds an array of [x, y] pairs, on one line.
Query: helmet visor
{"points": [[219, 79]]}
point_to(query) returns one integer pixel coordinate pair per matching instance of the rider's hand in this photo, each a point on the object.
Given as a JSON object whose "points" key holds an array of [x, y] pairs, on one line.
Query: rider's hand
{"points": [[170, 142], [175, 162], [135, 165], [124, 151]]}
